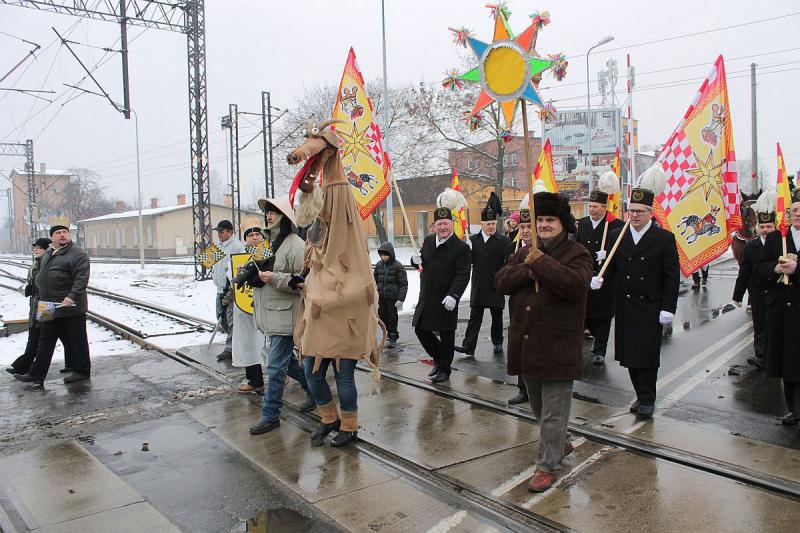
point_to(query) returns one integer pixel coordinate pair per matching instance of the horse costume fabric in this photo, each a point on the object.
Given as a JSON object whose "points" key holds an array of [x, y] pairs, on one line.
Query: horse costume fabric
{"points": [[339, 308]]}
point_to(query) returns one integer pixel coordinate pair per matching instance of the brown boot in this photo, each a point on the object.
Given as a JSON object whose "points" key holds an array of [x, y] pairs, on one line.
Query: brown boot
{"points": [[541, 481]]}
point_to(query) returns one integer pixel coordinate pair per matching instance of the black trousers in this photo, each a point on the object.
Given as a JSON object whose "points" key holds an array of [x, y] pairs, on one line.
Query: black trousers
{"points": [[644, 383], [696, 274], [439, 348], [791, 393], [254, 375], [71, 331], [474, 327], [600, 329], [759, 315], [387, 312], [23, 362]]}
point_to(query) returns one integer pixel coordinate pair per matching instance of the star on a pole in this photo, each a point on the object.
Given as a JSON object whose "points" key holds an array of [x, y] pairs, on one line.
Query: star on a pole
{"points": [[708, 176], [355, 143]]}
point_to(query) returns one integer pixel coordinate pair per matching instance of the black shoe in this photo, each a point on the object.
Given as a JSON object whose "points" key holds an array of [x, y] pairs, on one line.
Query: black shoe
{"points": [[788, 420], [634, 408], [645, 411], [461, 349], [498, 349], [65, 370], [343, 438], [309, 404], [76, 377], [263, 426], [12, 370], [440, 377], [27, 378], [224, 356], [433, 372], [519, 398], [756, 361], [322, 431], [599, 360], [391, 344]]}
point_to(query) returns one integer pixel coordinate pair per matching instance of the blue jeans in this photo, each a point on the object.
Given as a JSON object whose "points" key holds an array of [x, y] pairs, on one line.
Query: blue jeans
{"points": [[345, 382], [280, 362]]}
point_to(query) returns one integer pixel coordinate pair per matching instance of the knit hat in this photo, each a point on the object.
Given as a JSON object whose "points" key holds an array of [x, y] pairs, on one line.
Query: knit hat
{"points": [[57, 227], [515, 216], [42, 242]]}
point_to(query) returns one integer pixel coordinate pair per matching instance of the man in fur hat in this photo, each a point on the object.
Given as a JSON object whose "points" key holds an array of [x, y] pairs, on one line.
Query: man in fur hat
{"points": [[756, 287], [445, 267], [548, 284], [646, 274], [600, 304], [488, 255], [783, 310]]}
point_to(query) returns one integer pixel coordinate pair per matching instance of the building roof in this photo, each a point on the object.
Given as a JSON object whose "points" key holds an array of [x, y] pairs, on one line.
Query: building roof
{"points": [[154, 211], [49, 172], [422, 189]]}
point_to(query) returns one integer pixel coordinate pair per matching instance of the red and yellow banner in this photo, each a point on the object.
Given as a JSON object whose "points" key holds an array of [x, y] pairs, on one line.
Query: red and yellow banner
{"points": [[701, 202], [460, 215], [614, 205], [784, 195], [544, 168], [366, 165]]}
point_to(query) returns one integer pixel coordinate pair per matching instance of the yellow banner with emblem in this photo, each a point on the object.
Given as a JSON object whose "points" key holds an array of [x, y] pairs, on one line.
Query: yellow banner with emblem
{"points": [[242, 294]]}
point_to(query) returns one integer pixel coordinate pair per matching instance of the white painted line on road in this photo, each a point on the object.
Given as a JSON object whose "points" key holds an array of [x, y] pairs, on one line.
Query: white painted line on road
{"points": [[448, 523], [700, 376], [526, 474], [596, 456]]}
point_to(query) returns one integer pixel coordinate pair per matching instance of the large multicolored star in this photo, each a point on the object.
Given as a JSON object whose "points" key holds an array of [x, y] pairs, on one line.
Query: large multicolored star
{"points": [[506, 69]]}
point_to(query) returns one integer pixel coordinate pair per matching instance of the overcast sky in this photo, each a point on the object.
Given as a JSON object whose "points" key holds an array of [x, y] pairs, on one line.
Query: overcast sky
{"points": [[282, 46]]}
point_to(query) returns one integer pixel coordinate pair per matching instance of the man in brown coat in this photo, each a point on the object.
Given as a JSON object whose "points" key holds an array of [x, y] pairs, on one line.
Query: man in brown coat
{"points": [[545, 337]]}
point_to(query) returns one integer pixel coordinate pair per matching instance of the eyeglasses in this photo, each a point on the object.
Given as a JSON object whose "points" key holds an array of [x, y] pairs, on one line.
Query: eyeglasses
{"points": [[637, 212]]}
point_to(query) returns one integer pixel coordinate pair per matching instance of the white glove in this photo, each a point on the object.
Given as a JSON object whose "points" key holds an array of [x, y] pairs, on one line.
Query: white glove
{"points": [[399, 304], [665, 318], [601, 255], [596, 283], [449, 303]]}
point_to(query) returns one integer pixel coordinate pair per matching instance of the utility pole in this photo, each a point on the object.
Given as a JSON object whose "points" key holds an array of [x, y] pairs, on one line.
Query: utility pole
{"points": [[266, 125], [754, 127], [233, 125], [123, 39], [631, 143], [389, 206]]}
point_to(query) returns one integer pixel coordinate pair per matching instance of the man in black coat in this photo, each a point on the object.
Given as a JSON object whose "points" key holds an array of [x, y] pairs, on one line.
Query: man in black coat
{"points": [[756, 287], [783, 310], [600, 304], [444, 276], [62, 279], [646, 273], [487, 256]]}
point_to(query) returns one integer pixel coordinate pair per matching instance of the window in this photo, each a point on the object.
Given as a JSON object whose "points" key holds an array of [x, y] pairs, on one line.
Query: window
{"points": [[119, 238], [471, 164], [122, 236], [149, 236], [108, 238], [513, 160], [135, 236]]}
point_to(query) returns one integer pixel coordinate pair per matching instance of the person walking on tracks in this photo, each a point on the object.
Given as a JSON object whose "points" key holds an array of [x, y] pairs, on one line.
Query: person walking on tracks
{"points": [[757, 287], [488, 255], [549, 284], [61, 282], [600, 303], [646, 274], [445, 274], [221, 275]]}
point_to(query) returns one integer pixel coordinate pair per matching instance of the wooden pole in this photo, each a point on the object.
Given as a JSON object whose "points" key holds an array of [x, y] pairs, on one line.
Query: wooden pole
{"points": [[403, 210], [526, 136], [613, 249], [784, 277], [605, 233]]}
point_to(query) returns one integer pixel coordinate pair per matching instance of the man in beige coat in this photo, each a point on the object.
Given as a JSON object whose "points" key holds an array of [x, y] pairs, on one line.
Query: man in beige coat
{"points": [[276, 302]]}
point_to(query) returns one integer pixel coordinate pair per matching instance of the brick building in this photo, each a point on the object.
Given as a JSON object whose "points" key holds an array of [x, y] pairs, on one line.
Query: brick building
{"points": [[50, 203]]}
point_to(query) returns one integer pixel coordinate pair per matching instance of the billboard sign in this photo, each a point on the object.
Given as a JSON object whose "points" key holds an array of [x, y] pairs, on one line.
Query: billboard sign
{"points": [[569, 135]]}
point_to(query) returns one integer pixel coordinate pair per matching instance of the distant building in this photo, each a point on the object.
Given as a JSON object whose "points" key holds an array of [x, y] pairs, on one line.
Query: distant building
{"points": [[168, 231], [50, 200], [481, 161]]}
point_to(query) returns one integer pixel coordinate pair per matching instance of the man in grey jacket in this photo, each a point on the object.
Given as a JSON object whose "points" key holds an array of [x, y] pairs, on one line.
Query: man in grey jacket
{"points": [[276, 303], [62, 279], [221, 275]]}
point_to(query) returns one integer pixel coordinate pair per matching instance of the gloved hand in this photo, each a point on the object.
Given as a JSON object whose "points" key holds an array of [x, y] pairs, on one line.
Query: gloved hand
{"points": [[399, 305], [449, 303], [596, 283], [665, 318], [534, 254], [601, 255]]}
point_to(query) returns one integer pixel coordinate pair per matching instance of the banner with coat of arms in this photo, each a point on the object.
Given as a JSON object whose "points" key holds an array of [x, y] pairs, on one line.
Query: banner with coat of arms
{"points": [[242, 294], [365, 163], [700, 204]]}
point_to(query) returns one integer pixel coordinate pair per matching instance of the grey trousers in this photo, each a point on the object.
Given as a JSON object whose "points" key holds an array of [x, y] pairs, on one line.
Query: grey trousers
{"points": [[550, 401], [227, 323]]}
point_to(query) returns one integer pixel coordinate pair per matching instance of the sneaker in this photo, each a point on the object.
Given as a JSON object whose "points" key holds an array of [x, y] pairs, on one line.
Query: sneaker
{"points": [[541, 481], [520, 397], [343, 438]]}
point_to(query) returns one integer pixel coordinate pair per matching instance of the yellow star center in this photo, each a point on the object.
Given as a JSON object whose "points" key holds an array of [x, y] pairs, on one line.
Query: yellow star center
{"points": [[504, 69], [355, 143], [708, 176]]}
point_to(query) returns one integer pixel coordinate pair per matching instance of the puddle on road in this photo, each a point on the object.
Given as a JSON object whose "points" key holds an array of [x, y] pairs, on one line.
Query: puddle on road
{"points": [[276, 520]]}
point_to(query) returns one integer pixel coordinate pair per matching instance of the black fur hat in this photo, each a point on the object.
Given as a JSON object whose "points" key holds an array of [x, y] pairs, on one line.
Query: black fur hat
{"points": [[549, 204]]}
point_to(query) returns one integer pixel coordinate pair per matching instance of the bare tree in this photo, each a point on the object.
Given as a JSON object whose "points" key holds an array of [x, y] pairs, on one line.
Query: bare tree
{"points": [[83, 197]]}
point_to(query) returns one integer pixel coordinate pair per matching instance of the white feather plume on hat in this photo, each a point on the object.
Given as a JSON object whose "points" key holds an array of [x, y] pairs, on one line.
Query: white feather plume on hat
{"points": [[608, 183], [767, 202], [654, 179], [538, 186], [451, 199]]}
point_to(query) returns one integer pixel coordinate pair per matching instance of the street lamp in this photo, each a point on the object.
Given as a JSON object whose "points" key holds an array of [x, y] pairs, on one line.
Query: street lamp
{"points": [[139, 186], [605, 40]]}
